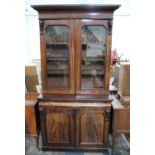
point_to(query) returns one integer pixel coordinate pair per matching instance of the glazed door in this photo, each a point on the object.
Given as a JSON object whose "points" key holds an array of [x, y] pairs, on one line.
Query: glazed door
{"points": [[58, 57], [57, 126], [92, 57], [93, 127]]}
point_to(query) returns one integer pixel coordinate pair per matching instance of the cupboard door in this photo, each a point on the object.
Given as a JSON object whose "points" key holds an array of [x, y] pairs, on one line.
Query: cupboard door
{"points": [[91, 56], [92, 128], [57, 127], [59, 56]]}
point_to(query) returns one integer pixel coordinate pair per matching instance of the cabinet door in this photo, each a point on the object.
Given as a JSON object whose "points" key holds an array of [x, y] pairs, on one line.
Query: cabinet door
{"points": [[93, 57], [92, 128], [58, 57], [57, 127]]}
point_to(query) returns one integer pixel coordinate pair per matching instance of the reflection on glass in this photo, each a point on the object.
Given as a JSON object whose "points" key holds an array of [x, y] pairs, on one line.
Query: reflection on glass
{"points": [[57, 56], [92, 58]]}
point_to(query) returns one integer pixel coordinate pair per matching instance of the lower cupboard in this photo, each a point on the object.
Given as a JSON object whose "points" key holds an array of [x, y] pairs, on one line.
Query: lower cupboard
{"points": [[74, 126]]}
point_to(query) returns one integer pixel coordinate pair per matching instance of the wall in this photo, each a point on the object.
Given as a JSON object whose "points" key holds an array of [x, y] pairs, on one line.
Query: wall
{"points": [[120, 26]]}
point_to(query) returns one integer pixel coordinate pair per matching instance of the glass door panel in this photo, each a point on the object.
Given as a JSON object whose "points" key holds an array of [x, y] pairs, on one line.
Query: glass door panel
{"points": [[92, 56], [57, 57]]}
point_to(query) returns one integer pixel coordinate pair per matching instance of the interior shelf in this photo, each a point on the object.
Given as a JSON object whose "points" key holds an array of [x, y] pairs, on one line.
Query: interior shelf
{"points": [[57, 72], [56, 43], [57, 82], [49, 59], [84, 44], [90, 73], [93, 59], [92, 67]]}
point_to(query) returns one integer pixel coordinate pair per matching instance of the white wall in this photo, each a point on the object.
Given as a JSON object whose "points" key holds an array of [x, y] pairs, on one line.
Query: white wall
{"points": [[32, 38], [120, 37], [120, 26]]}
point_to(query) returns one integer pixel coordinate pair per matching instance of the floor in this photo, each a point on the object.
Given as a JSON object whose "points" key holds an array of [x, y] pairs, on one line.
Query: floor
{"points": [[122, 148]]}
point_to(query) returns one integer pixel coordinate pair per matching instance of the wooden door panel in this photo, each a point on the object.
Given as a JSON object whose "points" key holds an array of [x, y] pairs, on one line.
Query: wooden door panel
{"points": [[58, 127], [91, 127]]}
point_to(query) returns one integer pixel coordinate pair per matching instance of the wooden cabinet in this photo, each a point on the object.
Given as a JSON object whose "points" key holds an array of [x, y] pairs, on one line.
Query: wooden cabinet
{"points": [[120, 118], [122, 79], [76, 127], [75, 63], [31, 121]]}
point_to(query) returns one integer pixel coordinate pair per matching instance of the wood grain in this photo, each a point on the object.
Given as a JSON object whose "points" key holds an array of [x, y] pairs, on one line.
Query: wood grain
{"points": [[57, 127], [31, 96], [30, 117], [91, 128], [75, 105]]}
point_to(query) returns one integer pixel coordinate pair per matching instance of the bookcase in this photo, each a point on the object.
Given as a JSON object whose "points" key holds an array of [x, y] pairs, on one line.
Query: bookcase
{"points": [[75, 63]]}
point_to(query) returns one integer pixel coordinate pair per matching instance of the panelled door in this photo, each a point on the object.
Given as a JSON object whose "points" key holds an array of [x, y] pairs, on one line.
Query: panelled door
{"points": [[58, 57], [92, 128], [57, 127], [91, 57]]}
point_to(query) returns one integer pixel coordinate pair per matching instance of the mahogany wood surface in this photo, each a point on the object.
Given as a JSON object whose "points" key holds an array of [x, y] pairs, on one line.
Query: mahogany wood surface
{"points": [[120, 118], [75, 104], [31, 96], [57, 127], [105, 12], [74, 118], [74, 98], [74, 126], [30, 117], [91, 125], [71, 7], [75, 58], [124, 75]]}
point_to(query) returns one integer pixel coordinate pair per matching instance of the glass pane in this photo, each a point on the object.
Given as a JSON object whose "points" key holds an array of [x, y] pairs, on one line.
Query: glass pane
{"points": [[57, 56], [92, 56]]}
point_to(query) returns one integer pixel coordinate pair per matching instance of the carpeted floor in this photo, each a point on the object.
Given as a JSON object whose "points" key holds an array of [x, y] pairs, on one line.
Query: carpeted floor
{"points": [[122, 148]]}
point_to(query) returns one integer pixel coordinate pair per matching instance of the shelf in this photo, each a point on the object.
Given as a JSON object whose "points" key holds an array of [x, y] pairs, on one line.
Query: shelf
{"points": [[91, 83], [90, 73], [93, 59], [56, 43], [93, 44], [57, 59], [57, 82], [57, 72], [57, 67], [92, 67]]}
